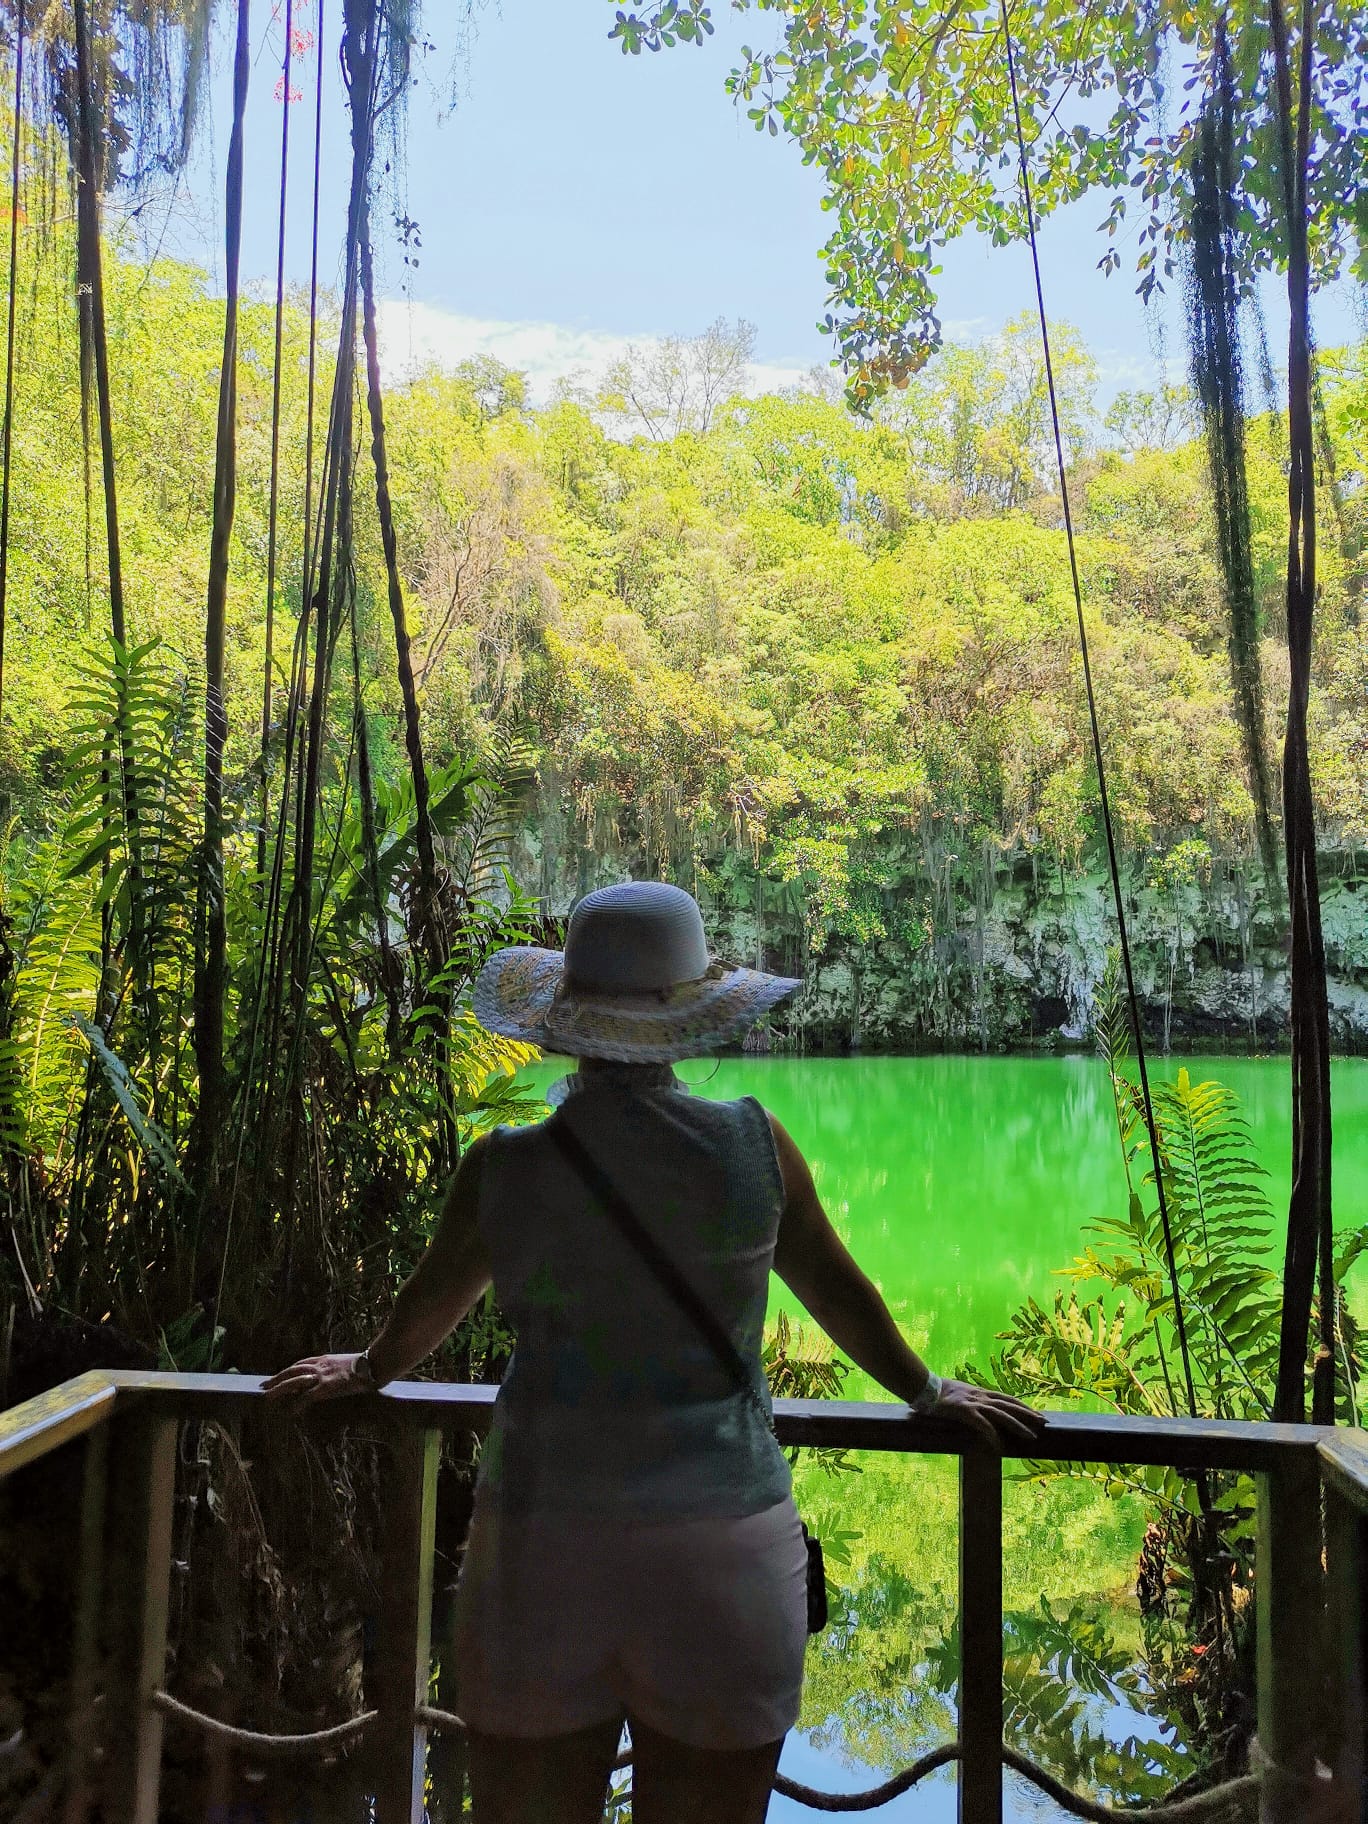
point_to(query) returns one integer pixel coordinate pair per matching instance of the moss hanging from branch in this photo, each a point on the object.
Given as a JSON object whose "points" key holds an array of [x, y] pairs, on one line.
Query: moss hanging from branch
{"points": [[1215, 357], [148, 63]]}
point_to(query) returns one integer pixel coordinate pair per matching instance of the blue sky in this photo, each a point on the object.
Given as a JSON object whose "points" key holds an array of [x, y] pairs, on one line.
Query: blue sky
{"points": [[571, 199]]}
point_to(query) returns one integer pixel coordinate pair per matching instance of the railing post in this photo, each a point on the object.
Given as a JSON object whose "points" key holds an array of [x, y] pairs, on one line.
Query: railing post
{"points": [[1289, 1598], [403, 1652], [144, 1481], [980, 1610], [85, 1644], [1346, 1543]]}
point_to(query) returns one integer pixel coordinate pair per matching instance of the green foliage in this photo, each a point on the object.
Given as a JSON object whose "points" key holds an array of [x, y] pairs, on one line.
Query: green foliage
{"points": [[802, 1367], [824, 666], [99, 1101], [1113, 1341], [906, 112], [156, 1146], [54, 983], [1120, 1345]]}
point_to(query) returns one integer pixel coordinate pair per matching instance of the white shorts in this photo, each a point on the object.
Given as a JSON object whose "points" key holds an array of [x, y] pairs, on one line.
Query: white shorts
{"points": [[698, 1627]]}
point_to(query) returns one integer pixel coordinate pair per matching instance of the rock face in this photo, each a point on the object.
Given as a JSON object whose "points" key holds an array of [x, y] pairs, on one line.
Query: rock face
{"points": [[1010, 957]]}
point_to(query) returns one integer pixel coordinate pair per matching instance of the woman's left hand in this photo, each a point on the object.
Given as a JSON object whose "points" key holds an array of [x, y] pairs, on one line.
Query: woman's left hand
{"points": [[317, 1377]]}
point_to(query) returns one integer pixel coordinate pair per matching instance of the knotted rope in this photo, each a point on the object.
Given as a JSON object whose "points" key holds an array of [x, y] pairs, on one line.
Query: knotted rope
{"points": [[311, 1742]]}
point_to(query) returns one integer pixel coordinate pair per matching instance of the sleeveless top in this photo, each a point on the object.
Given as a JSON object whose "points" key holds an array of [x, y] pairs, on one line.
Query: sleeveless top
{"points": [[613, 1400]]}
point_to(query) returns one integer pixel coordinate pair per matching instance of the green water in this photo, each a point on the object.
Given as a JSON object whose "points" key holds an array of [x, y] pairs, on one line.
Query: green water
{"points": [[962, 1185]]}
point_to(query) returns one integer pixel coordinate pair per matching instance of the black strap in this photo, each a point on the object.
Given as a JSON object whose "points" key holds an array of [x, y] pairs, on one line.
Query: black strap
{"points": [[616, 1205]]}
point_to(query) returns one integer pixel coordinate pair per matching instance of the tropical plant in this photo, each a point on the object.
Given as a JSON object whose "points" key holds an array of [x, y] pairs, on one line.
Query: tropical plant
{"points": [[1157, 1307], [927, 122]]}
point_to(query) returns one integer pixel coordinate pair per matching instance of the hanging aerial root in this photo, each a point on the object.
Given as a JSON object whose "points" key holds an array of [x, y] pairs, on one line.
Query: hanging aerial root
{"points": [[1213, 306]]}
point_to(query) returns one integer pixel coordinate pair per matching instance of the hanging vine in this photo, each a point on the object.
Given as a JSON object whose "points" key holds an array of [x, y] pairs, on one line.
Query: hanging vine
{"points": [[1310, 1232], [211, 932], [1212, 299]]}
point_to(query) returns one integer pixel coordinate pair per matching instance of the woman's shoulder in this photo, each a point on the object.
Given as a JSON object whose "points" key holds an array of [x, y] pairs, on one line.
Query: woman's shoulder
{"points": [[750, 1144]]}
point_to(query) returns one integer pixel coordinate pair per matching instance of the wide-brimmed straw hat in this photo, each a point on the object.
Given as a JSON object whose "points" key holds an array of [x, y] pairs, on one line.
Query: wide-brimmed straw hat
{"points": [[634, 983]]}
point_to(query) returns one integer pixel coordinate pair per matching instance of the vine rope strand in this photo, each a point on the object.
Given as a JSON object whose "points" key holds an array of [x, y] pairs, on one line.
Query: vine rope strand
{"points": [[266, 970], [9, 332], [313, 1741], [1103, 795], [1232, 1799], [273, 510]]}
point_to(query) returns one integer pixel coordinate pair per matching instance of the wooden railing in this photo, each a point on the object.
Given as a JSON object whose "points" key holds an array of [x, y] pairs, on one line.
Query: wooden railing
{"points": [[1311, 1579]]}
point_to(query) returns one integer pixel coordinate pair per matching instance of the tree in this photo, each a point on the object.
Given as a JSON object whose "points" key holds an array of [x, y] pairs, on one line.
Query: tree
{"points": [[497, 389], [977, 422], [905, 109], [1150, 419], [677, 383]]}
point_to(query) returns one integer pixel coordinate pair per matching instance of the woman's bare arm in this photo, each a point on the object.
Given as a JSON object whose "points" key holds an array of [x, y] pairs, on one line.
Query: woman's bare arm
{"points": [[442, 1288], [816, 1265]]}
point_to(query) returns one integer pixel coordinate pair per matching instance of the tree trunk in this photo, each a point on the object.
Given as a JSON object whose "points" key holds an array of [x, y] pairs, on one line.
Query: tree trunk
{"points": [[1309, 1216], [211, 962], [95, 365], [274, 508], [429, 911], [8, 436]]}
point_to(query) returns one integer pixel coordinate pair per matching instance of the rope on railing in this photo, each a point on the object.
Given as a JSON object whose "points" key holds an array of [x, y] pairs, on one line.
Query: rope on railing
{"points": [[1234, 1800], [312, 1742], [432, 1718], [873, 1796], [1230, 1803]]}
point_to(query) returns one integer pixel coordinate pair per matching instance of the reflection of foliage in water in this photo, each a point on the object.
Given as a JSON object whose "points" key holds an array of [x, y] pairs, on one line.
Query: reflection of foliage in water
{"points": [[1069, 1692], [881, 1682]]}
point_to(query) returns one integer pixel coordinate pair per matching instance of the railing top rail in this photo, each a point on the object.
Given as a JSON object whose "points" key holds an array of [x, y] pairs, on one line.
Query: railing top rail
{"points": [[44, 1424], [1344, 1463], [1069, 1437]]}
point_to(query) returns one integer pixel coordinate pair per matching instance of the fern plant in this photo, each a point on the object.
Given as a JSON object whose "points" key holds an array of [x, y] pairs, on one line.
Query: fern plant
{"points": [[133, 742], [55, 979], [1118, 1345], [1112, 1340], [1063, 1673]]}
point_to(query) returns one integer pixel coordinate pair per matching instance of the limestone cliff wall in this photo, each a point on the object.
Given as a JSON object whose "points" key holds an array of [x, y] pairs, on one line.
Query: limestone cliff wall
{"points": [[1010, 955]]}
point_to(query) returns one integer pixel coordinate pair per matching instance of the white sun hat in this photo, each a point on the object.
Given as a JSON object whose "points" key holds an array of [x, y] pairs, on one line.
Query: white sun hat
{"points": [[634, 983]]}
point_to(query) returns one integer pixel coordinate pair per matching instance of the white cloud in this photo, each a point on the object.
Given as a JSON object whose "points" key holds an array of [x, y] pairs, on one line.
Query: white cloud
{"points": [[414, 336], [1119, 371]]}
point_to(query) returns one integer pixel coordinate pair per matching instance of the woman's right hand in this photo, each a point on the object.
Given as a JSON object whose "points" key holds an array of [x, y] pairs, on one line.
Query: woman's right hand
{"points": [[995, 1418]]}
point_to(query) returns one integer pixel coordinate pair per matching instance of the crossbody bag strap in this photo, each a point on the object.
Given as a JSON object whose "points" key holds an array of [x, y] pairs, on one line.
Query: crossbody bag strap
{"points": [[675, 1283]]}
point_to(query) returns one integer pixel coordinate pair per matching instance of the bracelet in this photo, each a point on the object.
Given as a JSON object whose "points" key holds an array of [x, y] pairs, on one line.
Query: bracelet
{"points": [[928, 1397], [364, 1369]]}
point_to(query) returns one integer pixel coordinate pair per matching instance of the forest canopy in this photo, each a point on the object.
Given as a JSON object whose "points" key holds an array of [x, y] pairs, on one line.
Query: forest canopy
{"points": [[789, 633]]}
